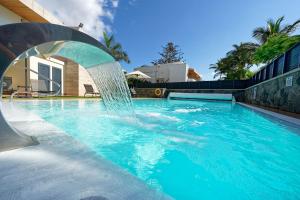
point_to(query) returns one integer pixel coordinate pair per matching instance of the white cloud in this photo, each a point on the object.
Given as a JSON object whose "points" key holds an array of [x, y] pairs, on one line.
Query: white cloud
{"points": [[91, 13], [132, 2], [115, 3]]}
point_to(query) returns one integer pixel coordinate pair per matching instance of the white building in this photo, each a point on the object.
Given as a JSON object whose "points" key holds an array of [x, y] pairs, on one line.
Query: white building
{"points": [[171, 72], [68, 74]]}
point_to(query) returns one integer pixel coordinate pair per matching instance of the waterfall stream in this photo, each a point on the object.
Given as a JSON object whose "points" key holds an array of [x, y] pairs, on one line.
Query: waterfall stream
{"points": [[112, 85]]}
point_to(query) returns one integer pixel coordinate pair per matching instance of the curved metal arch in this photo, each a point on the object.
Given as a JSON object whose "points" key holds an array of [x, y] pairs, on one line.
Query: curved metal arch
{"points": [[21, 40]]}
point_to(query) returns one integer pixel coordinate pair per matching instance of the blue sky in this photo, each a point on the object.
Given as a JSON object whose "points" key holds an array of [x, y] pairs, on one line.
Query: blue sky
{"points": [[204, 29]]}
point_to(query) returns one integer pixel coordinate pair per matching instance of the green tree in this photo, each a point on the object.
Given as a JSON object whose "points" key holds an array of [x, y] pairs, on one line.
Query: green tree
{"points": [[237, 63], [220, 68], [274, 28], [171, 53], [275, 46], [115, 48]]}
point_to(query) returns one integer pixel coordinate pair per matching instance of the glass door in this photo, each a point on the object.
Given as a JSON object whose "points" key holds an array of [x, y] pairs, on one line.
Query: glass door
{"points": [[56, 77], [44, 71]]}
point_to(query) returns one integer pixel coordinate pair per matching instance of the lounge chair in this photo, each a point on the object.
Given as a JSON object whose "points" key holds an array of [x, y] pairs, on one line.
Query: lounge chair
{"points": [[133, 92], [39, 87], [90, 90]]}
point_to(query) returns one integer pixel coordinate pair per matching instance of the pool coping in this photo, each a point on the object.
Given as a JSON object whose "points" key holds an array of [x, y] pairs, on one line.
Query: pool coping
{"points": [[283, 117]]}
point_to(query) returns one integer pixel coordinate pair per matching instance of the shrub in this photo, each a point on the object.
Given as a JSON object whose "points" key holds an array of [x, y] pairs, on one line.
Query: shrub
{"points": [[274, 47]]}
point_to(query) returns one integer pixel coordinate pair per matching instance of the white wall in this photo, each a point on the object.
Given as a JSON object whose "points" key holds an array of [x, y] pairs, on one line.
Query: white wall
{"points": [[172, 72], [84, 78], [8, 17], [177, 72], [17, 73]]}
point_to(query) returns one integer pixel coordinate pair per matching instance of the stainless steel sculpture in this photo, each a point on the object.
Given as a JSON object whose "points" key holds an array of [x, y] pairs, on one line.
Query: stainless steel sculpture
{"points": [[21, 40]]}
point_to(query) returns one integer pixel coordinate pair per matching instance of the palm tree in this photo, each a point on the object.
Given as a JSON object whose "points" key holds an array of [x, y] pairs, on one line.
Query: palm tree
{"points": [[273, 28], [243, 54], [237, 62], [217, 70], [115, 48]]}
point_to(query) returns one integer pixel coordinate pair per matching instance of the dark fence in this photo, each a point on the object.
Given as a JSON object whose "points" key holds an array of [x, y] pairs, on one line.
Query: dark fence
{"points": [[290, 60], [226, 84]]}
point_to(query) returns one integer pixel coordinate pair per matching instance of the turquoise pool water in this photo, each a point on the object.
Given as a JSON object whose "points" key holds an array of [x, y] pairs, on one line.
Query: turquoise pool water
{"points": [[189, 149]]}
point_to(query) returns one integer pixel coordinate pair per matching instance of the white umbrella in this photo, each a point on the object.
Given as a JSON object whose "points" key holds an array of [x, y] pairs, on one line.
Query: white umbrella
{"points": [[138, 74]]}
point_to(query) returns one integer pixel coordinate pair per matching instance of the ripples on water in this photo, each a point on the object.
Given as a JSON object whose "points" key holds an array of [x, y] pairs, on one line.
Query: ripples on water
{"points": [[187, 149]]}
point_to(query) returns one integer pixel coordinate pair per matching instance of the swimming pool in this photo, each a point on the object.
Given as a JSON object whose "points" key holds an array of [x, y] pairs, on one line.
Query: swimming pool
{"points": [[188, 149]]}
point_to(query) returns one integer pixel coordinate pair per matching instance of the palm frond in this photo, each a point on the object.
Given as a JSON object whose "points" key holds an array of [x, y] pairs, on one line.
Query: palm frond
{"points": [[277, 25], [260, 34], [288, 29], [115, 48]]}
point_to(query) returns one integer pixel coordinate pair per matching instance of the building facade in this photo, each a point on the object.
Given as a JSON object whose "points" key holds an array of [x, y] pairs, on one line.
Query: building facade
{"points": [[171, 72], [52, 71]]}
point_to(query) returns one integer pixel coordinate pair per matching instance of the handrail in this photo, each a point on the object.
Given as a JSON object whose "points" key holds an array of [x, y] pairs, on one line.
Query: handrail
{"points": [[45, 77]]}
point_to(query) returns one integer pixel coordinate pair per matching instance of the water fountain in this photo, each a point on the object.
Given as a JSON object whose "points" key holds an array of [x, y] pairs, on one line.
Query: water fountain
{"points": [[112, 85], [18, 41]]}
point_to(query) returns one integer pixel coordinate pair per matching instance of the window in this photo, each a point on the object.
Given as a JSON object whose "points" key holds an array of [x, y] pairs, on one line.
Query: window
{"points": [[44, 74], [56, 77]]}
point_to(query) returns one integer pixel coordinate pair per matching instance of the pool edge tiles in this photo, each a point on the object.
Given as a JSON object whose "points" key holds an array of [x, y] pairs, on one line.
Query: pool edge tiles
{"points": [[291, 120], [62, 168]]}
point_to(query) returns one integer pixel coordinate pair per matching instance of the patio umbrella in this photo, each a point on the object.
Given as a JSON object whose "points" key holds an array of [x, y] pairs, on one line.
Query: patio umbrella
{"points": [[138, 75]]}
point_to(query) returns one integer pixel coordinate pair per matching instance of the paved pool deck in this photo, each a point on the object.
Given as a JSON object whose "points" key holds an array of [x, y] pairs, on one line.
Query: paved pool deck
{"points": [[61, 168]]}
